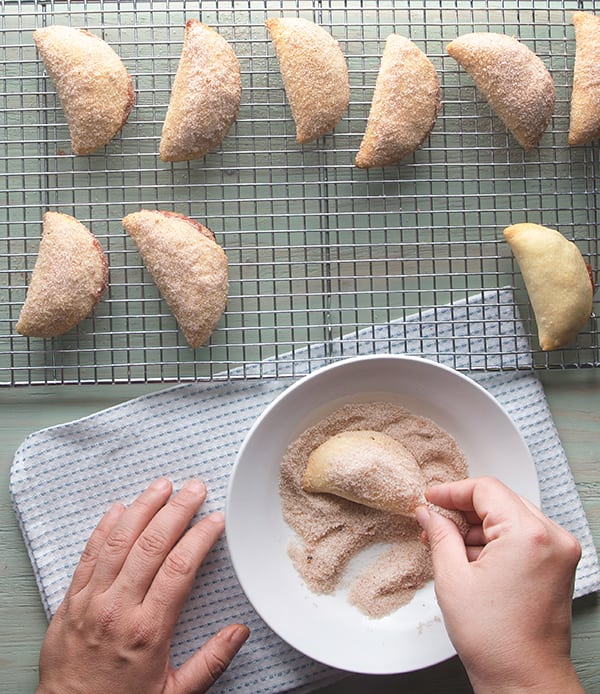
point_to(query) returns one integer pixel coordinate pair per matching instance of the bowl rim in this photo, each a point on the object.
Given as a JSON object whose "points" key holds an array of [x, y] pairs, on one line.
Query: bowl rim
{"points": [[288, 392]]}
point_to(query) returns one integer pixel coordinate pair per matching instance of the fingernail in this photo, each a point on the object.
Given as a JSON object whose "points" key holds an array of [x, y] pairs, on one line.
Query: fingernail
{"points": [[216, 517], [160, 485], [237, 636], [116, 509], [423, 516]]}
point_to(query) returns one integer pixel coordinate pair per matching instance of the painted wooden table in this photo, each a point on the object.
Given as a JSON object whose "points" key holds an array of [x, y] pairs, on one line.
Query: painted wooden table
{"points": [[574, 398]]}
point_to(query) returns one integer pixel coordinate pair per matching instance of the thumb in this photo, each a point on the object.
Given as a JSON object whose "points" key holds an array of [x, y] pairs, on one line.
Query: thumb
{"points": [[448, 551], [203, 669]]}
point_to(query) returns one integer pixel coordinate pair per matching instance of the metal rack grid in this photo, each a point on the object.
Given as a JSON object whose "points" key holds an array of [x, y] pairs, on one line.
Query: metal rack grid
{"points": [[317, 248]]}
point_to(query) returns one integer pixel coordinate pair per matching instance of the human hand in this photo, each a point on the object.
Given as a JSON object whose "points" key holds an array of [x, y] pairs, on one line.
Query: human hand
{"points": [[112, 632], [505, 590]]}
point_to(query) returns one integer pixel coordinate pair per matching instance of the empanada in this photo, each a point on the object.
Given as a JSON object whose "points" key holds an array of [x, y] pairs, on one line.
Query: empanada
{"points": [[584, 126], [314, 73], [189, 267], [513, 79], [405, 105], [68, 279], [557, 279], [206, 95], [93, 86], [368, 467]]}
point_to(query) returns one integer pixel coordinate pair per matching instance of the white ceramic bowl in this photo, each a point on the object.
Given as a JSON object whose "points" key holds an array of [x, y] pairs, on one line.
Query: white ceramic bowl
{"points": [[326, 627]]}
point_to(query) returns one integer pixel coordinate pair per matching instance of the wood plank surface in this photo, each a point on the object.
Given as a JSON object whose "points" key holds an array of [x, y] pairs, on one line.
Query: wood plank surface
{"points": [[574, 398]]}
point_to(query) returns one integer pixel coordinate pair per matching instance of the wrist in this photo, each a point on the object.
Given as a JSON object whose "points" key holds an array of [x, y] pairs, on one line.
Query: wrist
{"points": [[558, 678]]}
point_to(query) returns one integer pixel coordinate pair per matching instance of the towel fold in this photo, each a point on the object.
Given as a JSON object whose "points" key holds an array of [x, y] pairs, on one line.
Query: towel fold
{"points": [[64, 478]]}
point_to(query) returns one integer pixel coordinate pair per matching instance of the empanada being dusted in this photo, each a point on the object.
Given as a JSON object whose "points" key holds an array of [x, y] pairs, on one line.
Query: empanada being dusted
{"points": [[314, 73], [405, 105], [557, 279], [368, 467], [189, 267], [68, 279], [92, 84], [584, 126], [206, 95], [512, 78]]}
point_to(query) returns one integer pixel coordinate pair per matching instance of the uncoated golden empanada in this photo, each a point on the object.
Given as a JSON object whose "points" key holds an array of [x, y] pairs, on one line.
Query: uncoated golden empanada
{"points": [[189, 267], [405, 105], [584, 123], [314, 73], [206, 95], [515, 82], [68, 279], [93, 86], [557, 279]]}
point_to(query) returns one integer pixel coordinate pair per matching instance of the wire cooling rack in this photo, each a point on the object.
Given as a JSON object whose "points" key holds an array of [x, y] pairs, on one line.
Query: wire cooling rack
{"points": [[317, 248]]}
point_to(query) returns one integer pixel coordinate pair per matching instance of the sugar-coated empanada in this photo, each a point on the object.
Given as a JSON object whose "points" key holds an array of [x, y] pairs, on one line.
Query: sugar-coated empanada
{"points": [[206, 95], [68, 279], [92, 84], [314, 73], [189, 267], [368, 467], [512, 78], [557, 279], [584, 126], [405, 105]]}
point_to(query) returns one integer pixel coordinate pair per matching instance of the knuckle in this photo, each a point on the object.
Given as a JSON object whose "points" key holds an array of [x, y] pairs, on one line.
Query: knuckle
{"points": [[152, 543], [553, 542], [181, 503], [142, 635], [117, 542], [89, 555], [539, 535], [488, 484], [215, 664], [572, 549], [178, 564], [143, 505], [436, 536], [206, 533]]}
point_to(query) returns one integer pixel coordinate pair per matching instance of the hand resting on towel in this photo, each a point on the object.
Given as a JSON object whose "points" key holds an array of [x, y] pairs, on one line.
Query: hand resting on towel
{"points": [[113, 630]]}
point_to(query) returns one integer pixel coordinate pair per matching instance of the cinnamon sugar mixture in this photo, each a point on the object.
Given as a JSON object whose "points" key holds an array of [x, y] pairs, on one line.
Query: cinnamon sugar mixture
{"points": [[331, 530]]}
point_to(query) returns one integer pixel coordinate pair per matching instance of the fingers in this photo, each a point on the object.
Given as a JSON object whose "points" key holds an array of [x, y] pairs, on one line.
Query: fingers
{"points": [[454, 495], [475, 536], [156, 541], [175, 577], [122, 536], [492, 509], [448, 551], [477, 497], [89, 556], [473, 552], [203, 669]]}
